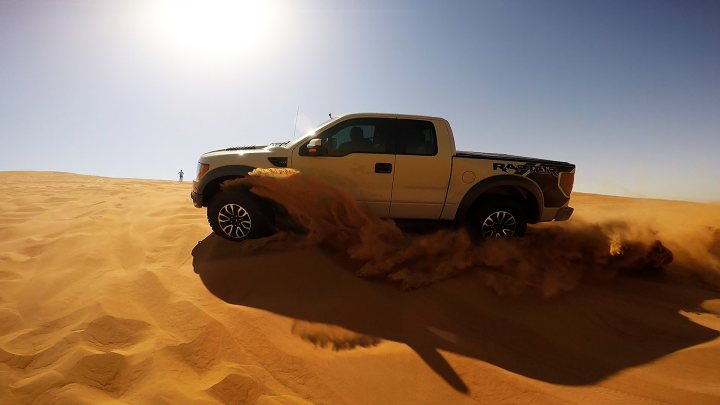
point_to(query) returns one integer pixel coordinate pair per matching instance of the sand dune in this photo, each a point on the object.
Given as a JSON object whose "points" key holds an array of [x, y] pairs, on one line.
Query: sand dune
{"points": [[114, 290]]}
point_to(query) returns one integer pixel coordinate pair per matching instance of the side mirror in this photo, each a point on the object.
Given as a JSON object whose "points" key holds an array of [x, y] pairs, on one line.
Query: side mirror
{"points": [[315, 148]]}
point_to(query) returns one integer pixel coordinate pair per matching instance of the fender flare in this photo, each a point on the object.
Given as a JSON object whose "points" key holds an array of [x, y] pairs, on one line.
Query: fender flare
{"points": [[218, 173], [481, 187]]}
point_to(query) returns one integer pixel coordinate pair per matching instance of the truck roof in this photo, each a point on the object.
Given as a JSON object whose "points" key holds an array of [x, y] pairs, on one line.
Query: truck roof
{"points": [[390, 115]]}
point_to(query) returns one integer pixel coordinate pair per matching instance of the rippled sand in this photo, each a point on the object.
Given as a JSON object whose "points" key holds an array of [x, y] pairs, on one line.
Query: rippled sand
{"points": [[114, 289]]}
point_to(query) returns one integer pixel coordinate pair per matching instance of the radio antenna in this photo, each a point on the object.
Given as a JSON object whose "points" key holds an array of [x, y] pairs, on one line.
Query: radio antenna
{"points": [[295, 124]]}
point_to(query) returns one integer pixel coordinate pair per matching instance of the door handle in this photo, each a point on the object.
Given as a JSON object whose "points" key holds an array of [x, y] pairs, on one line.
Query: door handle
{"points": [[383, 167]]}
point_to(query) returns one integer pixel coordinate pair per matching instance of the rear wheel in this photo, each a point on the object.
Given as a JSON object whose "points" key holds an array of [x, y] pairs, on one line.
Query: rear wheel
{"points": [[238, 215], [498, 218]]}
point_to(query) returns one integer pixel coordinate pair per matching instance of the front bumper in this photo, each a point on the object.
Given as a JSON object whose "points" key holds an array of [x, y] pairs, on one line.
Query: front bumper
{"points": [[564, 213], [197, 199]]}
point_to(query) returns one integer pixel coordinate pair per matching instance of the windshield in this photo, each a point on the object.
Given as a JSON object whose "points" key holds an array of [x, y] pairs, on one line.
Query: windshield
{"points": [[309, 133]]}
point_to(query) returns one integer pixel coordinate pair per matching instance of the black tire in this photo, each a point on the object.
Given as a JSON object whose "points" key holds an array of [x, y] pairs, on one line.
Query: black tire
{"points": [[499, 217], [239, 215]]}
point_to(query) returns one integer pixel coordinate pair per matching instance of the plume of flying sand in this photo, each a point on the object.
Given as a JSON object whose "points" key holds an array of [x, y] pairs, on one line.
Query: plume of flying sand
{"points": [[550, 259]]}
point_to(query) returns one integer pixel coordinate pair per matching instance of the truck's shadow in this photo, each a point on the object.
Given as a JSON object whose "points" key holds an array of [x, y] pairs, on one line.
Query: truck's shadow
{"points": [[578, 338]]}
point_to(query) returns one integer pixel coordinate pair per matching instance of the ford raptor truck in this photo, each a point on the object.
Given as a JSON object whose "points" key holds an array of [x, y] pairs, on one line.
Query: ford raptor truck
{"points": [[397, 166]]}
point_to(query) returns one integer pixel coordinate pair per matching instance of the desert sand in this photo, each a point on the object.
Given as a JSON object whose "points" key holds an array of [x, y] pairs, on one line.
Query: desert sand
{"points": [[114, 290]]}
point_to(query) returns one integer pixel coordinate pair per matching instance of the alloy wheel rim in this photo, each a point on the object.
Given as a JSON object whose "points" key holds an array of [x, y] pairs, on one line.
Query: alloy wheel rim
{"points": [[499, 224], [235, 221]]}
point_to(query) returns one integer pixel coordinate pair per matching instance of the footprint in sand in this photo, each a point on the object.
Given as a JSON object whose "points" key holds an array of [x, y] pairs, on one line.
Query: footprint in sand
{"points": [[8, 275], [108, 332], [9, 319], [331, 336], [105, 371], [237, 389]]}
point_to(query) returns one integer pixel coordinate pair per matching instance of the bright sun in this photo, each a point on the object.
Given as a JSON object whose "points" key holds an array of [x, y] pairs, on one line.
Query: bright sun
{"points": [[216, 31]]}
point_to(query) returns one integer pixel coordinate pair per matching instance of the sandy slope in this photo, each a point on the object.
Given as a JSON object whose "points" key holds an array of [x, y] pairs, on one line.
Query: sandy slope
{"points": [[113, 289]]}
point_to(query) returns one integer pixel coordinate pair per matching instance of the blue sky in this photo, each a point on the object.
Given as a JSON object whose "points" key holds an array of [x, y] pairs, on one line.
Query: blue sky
{"points": [[627, 90]]}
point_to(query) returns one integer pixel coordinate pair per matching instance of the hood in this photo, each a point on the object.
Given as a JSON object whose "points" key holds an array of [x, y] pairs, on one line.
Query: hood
{"points": [[253, 149], [234, 148], [252, 156]]}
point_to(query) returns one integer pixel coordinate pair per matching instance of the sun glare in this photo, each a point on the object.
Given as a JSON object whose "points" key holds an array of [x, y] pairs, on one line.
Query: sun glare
{"points": [[214, 31]]}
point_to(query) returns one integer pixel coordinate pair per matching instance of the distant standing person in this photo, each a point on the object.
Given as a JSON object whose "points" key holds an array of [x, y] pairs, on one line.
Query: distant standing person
{"points": [[180, 173]]}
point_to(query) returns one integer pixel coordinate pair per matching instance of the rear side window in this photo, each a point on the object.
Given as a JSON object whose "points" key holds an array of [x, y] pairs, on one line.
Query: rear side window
{"points": [[416, 138]]}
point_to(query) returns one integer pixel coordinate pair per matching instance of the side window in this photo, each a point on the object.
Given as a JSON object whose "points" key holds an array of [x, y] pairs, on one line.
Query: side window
{"points": [[363, 135], [416, 138]]}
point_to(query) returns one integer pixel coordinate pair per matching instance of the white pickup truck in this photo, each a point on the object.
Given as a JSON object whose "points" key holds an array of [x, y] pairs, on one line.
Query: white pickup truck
{"points": [[398, 166]]}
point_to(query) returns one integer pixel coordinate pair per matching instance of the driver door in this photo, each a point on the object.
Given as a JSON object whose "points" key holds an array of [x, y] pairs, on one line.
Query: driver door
{"points": [[356, 156]]}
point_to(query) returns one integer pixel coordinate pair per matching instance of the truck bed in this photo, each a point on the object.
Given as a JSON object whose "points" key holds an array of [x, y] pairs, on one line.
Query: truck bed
{"points": [[512, 158]]}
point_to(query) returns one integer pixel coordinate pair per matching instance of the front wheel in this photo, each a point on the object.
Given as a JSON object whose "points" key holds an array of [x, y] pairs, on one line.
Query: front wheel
{"points": [[238, 215], [498, 218]]}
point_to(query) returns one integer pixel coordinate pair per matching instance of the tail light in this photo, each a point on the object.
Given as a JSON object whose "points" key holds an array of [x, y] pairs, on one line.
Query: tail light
{"points": [[566, 181]]}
